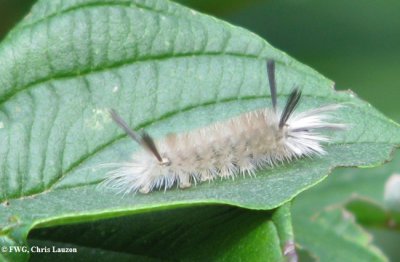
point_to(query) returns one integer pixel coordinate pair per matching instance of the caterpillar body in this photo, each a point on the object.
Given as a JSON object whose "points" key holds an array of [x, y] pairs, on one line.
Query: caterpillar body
{"points": [[238, 146]]}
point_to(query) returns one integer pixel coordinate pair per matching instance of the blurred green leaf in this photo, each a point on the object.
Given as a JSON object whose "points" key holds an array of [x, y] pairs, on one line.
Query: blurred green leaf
{"points": [[359, 191], [388, 241], [165, 68], [202, 233], [372, 214], [333, 235]]}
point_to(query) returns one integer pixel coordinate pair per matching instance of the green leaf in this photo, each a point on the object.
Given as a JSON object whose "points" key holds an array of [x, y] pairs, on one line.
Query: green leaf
{"points": [[165, 68], [201, 233], [332, 235], [359, 196], [373, 214]]}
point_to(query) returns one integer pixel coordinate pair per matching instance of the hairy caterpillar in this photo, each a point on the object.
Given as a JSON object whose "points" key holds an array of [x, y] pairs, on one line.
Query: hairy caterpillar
{"points": [[241, 145]]}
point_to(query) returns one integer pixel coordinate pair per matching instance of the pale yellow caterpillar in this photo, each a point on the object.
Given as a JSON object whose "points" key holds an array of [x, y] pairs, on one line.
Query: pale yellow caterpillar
{"points": [[238, 146]]}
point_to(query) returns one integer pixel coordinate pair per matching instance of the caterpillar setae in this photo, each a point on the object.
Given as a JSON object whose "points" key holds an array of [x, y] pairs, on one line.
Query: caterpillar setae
{"points": [[238, 146]]}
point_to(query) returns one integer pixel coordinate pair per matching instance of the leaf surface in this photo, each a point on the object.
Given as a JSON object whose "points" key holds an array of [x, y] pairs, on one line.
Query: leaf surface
{"points": [[201, 233]]}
